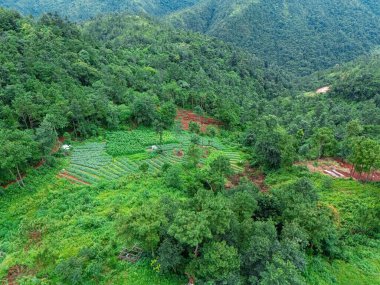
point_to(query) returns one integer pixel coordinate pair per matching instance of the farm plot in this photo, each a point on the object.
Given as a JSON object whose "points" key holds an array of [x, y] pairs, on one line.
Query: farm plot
{"points": [[156, 163], [125, 143], [236, 159], [86, 162], [92, 162]]}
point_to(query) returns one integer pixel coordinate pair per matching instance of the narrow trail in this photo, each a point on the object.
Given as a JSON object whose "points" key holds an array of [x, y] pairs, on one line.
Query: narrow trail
{"points": [[72, 178]]}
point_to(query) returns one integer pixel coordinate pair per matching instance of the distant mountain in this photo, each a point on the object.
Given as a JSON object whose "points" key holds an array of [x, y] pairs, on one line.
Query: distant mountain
{"points": [[84, 9], [300, 36]]}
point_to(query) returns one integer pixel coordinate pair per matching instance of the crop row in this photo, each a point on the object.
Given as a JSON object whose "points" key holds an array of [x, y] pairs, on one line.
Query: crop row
{"points": [[132, 142], [156, 163], [236, 159]]}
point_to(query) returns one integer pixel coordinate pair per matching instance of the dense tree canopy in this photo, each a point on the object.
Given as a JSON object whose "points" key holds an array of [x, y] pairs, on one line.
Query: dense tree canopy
{"points": [[225, 205], [300, 36]]}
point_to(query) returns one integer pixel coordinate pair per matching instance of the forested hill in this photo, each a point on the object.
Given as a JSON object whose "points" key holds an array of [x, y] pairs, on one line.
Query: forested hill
{"points": [[300, 36], [358, 80], [85, 9], [54, 77]]}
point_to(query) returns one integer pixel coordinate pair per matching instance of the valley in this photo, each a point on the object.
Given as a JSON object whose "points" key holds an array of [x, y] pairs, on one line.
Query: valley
{"points": [[189, 142]]}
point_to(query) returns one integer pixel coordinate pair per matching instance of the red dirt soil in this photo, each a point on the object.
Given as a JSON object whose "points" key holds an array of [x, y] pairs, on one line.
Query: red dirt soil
{"points": [[40, 163], [254, 175], [337, 168], [34, 238], [187, 116], [72, 178], [13, 273]]}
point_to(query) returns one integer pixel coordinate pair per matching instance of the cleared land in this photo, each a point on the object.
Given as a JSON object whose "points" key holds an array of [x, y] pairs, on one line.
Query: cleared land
{"points": [[123, 153], [185, 117], [337, 168]]}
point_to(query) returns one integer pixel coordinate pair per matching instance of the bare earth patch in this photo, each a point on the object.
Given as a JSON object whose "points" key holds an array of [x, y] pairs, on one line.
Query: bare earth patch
{"points": [[323, 90], [337, 168], [254, 175], [72, 179], [185, 117], [14, 273]]}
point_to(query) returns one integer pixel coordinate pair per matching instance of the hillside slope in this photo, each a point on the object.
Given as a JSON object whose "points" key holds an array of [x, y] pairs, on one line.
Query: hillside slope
{"points": [[300, 36], [357, 80], [79, 10], [53, 69]]}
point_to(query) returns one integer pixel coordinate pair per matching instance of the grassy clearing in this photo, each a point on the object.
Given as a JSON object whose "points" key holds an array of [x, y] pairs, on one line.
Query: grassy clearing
{"points": [[70, 219]]}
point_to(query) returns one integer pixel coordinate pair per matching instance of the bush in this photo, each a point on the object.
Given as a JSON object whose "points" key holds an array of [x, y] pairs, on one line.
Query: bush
{"points": [[211, 131], [144, 167], [194, 127]]}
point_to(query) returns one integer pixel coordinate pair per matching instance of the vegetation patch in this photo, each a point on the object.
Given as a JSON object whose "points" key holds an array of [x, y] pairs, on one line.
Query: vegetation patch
{"points": [[132, 142]]}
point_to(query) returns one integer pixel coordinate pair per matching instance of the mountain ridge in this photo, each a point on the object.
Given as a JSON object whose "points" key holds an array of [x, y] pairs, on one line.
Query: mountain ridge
{"points": [[300, 37]]}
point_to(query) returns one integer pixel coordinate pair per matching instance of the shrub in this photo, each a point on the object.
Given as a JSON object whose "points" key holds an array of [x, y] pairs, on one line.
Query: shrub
{"points": [[144, 167], [194, 127]]}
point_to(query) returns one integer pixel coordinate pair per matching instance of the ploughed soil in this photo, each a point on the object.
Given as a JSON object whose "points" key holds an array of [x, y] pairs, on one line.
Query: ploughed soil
{"points": [[254, 175], [187, 116], [55, 149], [338, 168]]}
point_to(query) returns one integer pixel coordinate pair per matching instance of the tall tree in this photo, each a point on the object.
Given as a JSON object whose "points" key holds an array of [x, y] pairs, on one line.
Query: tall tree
{"points": [[17, 148], [324, 141]]}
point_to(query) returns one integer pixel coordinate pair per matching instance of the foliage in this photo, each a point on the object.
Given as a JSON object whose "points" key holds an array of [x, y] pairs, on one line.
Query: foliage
{"points": [[123, 143], [201, 216], [298, 36], [17, 148], [80, 10], [365, 155]]}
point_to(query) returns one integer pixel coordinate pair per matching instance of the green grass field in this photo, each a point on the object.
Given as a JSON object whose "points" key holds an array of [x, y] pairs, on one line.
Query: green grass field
{"points": [[52, 220]]}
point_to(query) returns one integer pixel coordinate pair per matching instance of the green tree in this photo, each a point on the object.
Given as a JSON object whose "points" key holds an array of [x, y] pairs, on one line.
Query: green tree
{"points": [[324, 141], [17, 148], [145, 224], [354, 128], [220, 167], [47, 136], [173, 177], [274, 148], [144, 110], [193, 155], [281, 272], [365, 155], [190, 228], [164, 118], [169, 255], [218, 262], [194, 127]]}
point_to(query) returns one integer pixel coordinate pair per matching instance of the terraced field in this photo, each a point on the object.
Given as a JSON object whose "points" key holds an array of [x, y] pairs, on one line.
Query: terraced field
{"points": [[90, 162]]}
